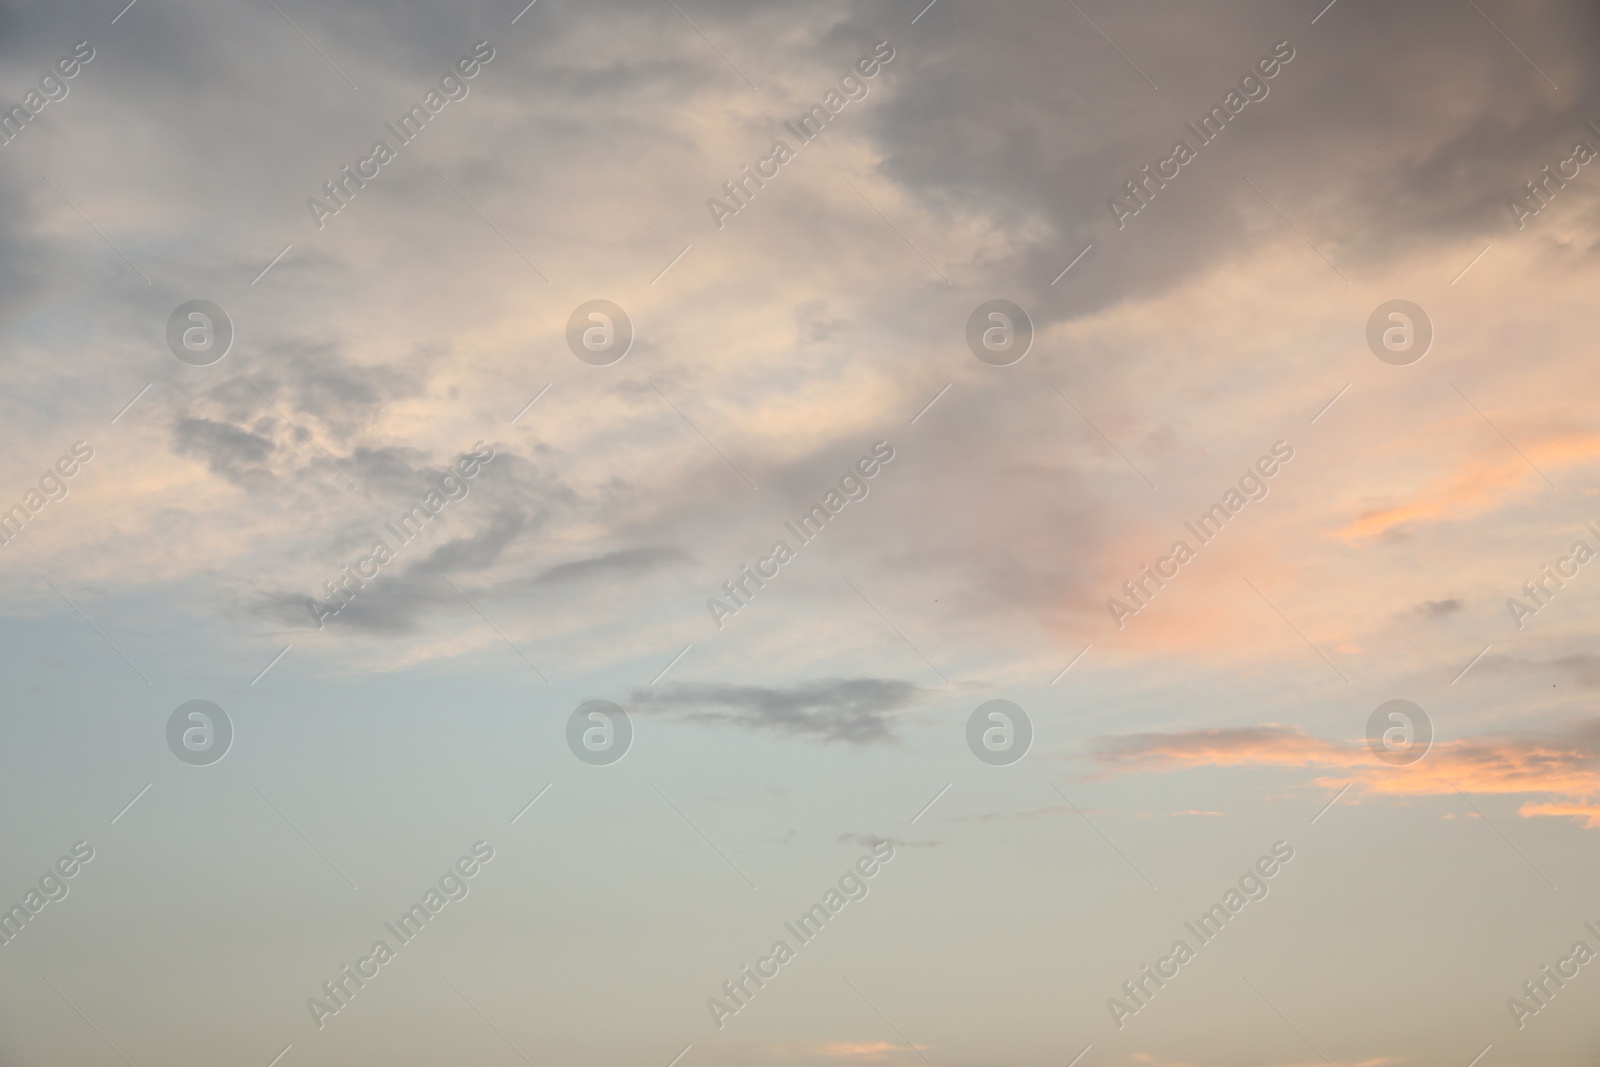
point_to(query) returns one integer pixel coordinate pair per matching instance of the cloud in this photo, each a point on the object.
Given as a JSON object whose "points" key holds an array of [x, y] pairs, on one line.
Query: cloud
{"points": [[860, 711], [1582, 667], [860, 1051], [1561, 771], [237, 455], [1435, 609], [622, 563]]}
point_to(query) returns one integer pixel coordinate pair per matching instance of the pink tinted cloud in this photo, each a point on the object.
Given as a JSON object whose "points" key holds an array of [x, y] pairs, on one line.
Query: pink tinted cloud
{"points": [[1560, 773]]}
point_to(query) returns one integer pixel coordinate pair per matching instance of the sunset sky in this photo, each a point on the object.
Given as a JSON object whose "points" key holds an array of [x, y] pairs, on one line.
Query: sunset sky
{"points": [[589, 518]]}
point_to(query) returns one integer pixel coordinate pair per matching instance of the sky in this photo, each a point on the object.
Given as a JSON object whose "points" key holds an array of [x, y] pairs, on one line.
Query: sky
{"points": [[1104, 469]]}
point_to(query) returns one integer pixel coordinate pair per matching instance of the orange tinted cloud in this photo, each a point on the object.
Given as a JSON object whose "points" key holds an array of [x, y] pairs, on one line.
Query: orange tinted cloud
{"points": [[1481, 483], [1562, 772], [866, 1051]]}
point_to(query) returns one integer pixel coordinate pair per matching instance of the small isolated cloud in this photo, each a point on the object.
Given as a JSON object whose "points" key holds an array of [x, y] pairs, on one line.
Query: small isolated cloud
{"points": [[873, 840], [1560, 772], [1438, 609], [1583, 667], [862, 1051], [861, 711], [627, 562]]}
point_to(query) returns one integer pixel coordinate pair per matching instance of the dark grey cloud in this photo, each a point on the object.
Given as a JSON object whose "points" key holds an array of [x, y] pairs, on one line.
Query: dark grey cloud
{"points": [[233, 453], [859, 711], [1393, 126], [1435, 609]]}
